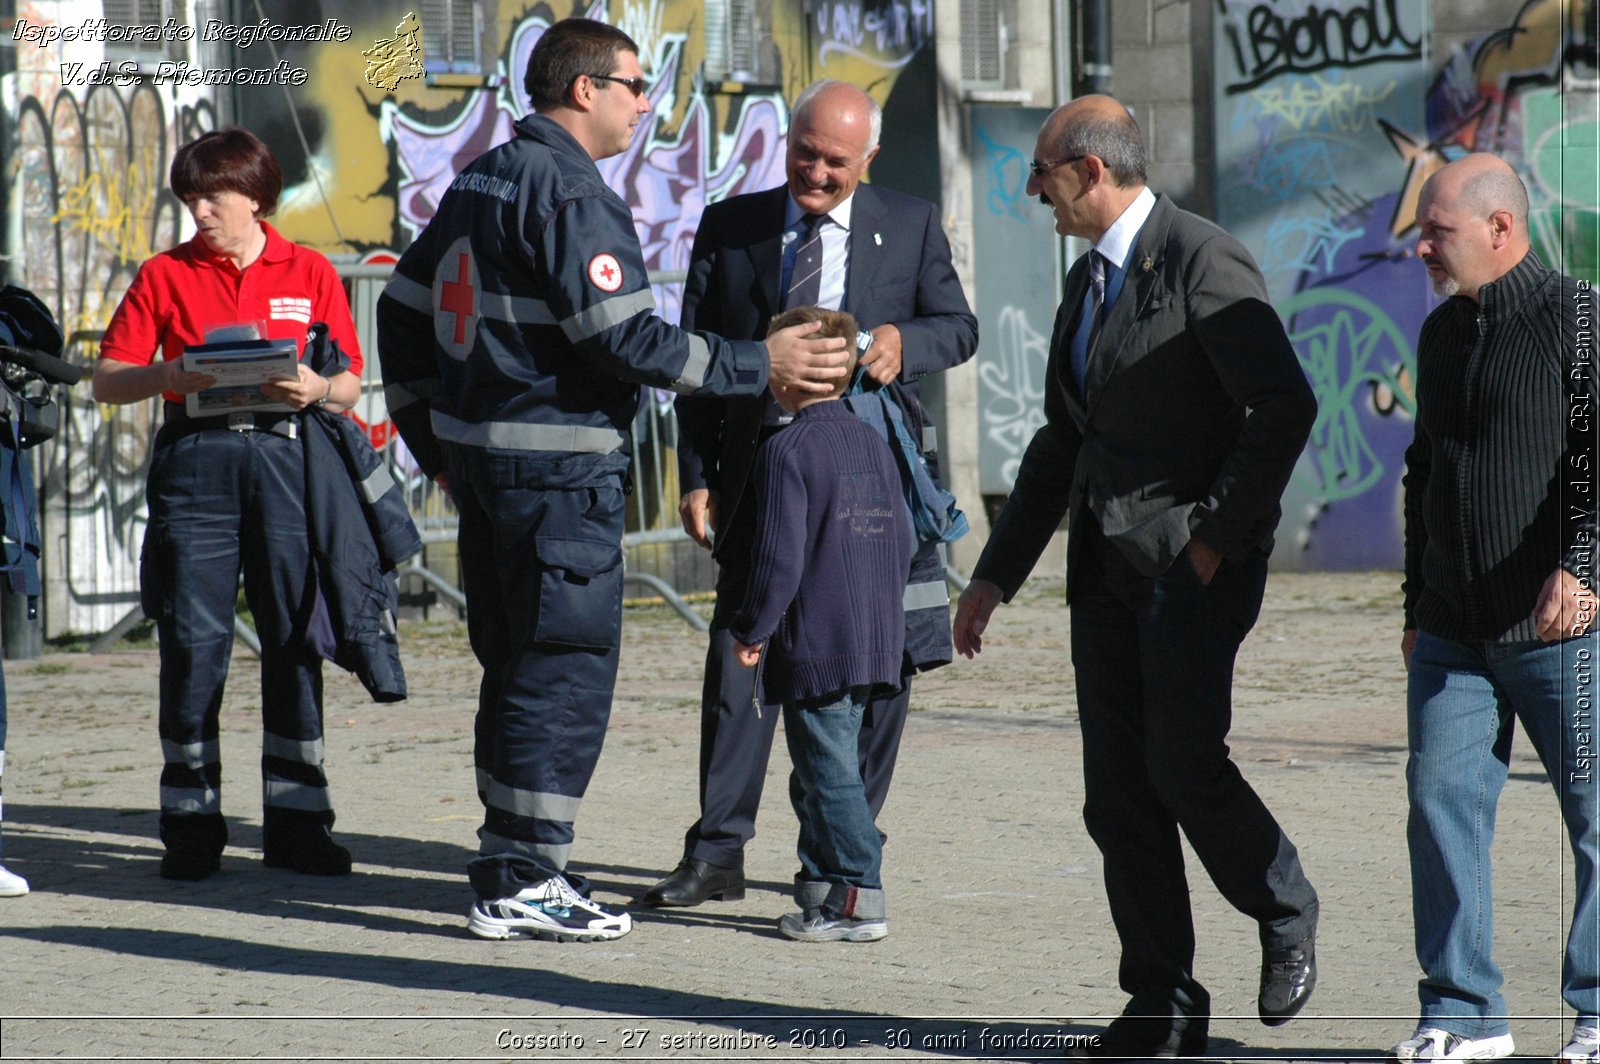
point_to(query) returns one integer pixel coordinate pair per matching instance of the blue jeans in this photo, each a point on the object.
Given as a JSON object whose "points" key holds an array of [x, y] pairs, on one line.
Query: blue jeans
{"points": [[1462, 701], [841, 856]]}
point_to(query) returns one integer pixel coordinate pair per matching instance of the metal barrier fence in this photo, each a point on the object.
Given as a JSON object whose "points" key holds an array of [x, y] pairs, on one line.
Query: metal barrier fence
{"points": [[652, 518]]}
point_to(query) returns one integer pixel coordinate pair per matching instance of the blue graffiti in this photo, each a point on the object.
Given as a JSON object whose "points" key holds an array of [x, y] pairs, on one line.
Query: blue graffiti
{"points": [[1007, 172]]}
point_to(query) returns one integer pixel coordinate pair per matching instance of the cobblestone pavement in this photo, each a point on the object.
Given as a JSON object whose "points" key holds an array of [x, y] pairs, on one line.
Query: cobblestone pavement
{"points": [[1000, 937]]}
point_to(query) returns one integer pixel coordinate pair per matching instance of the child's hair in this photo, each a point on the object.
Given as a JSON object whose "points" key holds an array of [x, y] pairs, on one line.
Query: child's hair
{"points": [[835, 323]]}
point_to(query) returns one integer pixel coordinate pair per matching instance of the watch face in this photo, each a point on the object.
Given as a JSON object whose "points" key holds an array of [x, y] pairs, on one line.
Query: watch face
{"points": [[863, 341]]}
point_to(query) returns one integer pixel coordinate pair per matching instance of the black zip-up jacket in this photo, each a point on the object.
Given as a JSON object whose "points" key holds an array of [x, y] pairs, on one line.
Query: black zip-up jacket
{"points": [[1500, 475]]}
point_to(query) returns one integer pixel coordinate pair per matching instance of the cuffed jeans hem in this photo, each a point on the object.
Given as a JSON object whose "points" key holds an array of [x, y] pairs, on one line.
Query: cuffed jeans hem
{"points": [[859, 903], [1473, 1027]]}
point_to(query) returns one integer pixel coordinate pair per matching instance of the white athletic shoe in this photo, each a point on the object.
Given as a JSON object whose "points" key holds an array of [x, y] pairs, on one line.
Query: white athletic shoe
{"points": [[550, 910], [11, 884], [1583, 1047], [1432, 1044]]}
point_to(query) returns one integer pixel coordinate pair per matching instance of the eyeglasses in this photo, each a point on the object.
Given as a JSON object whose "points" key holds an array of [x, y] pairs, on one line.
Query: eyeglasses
{"points": [[633, 85], [1040, 169]]}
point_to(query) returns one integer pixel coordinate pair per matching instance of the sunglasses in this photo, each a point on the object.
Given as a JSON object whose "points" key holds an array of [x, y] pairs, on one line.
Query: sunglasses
{"points": [[633, 85], [1039, 169]]}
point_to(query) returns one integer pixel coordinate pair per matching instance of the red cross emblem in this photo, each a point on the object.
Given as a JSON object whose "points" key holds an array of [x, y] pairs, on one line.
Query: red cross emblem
{"points": [[455, 297], [605, 272]]}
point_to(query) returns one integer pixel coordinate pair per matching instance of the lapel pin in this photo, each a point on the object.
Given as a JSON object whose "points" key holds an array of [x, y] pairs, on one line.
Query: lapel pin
{"points": [[1148, 264], [877, 238]]}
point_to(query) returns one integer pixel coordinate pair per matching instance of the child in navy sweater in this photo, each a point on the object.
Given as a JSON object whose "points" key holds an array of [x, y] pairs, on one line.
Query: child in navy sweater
{"points": [[827, 585]]}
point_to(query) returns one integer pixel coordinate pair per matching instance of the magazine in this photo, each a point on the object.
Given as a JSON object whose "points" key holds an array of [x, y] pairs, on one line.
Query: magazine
{"points": [[240, 368]]}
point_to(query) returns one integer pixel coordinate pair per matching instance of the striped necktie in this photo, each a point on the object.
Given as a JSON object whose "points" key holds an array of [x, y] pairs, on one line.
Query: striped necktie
{"points": [[805, 280]]}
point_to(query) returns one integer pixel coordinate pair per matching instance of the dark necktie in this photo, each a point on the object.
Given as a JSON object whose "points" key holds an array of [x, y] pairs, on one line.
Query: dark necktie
{"points": [[805, 279], [1089, 323]]}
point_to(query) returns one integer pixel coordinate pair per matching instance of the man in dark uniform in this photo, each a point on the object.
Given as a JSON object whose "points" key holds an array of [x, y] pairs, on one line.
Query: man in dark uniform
{"points": [[514, 338], [821, 239]]}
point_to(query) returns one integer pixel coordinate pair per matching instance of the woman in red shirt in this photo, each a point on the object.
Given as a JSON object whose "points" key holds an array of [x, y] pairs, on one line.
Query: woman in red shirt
{"points": [[226, 495]]}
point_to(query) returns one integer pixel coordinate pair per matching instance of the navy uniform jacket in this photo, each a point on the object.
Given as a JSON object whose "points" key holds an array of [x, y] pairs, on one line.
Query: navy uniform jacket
{"points": [[522, 318], [900, 273]]}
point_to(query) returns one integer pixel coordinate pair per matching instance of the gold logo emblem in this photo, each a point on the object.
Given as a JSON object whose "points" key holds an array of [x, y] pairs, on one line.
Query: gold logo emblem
{"points": [[393, 60]]}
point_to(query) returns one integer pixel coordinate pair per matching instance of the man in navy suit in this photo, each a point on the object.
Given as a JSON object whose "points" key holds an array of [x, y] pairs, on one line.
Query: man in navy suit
{"points": [[1175, 410], [821, 239]]}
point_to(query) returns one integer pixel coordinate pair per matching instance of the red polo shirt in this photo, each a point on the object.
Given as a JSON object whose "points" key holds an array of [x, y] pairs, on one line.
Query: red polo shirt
{"points": [[181, 294]]}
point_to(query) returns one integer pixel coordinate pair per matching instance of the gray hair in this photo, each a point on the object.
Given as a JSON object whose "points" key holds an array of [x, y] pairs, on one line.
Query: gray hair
{"points": [[815, 89], [1115, 140]]}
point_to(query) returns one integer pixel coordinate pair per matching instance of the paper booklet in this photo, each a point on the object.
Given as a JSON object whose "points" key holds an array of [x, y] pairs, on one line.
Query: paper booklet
{"points": [[240, 367]]}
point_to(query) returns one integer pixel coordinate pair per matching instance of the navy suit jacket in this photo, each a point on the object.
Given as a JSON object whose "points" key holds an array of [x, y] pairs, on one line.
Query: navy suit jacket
{"points": [[900, 272], [1195, 412]]}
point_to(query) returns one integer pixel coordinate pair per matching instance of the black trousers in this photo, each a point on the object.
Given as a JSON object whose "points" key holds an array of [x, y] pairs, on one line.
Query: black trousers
{"points": [[1154, 663]]}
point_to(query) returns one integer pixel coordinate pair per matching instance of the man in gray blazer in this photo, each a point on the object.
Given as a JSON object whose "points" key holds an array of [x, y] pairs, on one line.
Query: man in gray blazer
{"points": [[822, 238], [1175, 411]]}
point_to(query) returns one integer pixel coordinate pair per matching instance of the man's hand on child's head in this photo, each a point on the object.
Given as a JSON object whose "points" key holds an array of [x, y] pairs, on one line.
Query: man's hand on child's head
{"points": [[747, 655]]}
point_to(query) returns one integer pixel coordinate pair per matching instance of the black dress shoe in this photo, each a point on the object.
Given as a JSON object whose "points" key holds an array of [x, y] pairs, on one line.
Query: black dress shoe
{"points": [[1146, 1037], [1288, 976], [695, 881]]}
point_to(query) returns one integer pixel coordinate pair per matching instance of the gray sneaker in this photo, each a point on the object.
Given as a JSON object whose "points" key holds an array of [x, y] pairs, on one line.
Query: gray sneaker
{"points": [[820, 927]]}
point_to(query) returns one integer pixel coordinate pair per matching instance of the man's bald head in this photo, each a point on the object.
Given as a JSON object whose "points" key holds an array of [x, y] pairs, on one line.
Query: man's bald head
{"points": [[1099, 126], [1481, 183]]}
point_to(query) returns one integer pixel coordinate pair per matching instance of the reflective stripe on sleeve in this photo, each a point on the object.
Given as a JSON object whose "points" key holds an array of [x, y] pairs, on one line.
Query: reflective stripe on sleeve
{"points": [[409, 293], [694, 370], [603, 315]]}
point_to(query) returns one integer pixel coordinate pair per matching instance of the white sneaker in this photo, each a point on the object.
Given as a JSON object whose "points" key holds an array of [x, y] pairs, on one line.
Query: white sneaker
{"points": [[1430, 1043], [550, 910], [11, 884], [1583, 1047]]}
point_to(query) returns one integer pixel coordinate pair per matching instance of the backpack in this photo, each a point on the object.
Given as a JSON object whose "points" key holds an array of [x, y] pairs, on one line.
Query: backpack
{"points": [[934, 515], [30, 340]]}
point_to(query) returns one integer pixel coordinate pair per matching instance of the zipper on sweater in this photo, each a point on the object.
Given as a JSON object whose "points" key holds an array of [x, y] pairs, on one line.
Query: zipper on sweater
{"points": [[1474, 369]]}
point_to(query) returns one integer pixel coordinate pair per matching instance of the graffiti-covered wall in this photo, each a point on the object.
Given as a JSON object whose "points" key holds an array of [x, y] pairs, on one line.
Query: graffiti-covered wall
{"points": [[88, 146], [1329, 116], [369, 131]]}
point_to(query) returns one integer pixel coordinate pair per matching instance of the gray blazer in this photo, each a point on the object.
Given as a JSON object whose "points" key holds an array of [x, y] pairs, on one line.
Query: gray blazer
{"points": [[1195, 414]]}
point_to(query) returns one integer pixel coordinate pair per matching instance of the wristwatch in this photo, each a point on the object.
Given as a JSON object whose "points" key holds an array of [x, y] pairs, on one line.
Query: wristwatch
{"points": [[320, 403], [863, 341]]}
